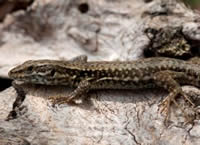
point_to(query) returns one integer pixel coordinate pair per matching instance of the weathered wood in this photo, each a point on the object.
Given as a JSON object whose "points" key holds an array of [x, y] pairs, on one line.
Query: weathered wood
{"points": [[103, 30]]}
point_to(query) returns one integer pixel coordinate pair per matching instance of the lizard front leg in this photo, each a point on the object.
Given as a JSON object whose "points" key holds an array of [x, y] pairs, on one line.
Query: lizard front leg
{"points": [[21, 94], [83, 87], [167, 80]]}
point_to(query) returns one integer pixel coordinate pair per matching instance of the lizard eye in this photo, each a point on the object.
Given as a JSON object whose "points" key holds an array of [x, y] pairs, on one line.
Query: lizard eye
{"points": [[30, 68], [52, 73]]}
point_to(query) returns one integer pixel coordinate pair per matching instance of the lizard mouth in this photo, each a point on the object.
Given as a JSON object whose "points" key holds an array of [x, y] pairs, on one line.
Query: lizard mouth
{"points": [[19, 82]]}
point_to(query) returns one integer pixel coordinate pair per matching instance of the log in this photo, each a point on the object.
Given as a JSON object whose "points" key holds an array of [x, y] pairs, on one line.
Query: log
{"points": [[102, 30]]}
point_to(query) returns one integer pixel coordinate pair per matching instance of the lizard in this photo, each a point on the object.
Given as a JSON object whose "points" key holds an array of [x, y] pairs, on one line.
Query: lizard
{"points": [[83, 76]]}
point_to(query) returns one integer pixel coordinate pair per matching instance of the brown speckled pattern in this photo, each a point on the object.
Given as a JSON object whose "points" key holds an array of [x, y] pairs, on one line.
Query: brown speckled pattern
{"points": [[112, 74], [162, 72]]}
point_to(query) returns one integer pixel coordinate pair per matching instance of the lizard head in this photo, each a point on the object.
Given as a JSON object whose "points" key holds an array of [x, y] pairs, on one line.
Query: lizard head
{"points": [[48, 72]]}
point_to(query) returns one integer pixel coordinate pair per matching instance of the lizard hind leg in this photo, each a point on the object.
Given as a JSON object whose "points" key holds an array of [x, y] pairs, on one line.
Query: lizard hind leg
{"points": [[166, 103], [167, 80]]}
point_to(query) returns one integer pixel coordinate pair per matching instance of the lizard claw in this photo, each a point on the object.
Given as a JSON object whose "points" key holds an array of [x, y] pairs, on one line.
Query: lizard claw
{"points": [[166, 104], [187, 98], [53, 100], [61, 100], [164, 107]]}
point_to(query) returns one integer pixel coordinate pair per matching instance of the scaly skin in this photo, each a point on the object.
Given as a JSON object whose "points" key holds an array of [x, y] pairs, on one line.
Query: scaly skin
{"points": [[83, 76]]}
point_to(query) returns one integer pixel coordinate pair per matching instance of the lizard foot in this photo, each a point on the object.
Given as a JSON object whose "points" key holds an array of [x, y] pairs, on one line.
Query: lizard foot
{"points": [[166, 103], [61, 100]]}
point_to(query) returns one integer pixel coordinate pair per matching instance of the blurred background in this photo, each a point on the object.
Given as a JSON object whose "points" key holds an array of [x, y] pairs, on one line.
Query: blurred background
{"points": [[193, 3]]}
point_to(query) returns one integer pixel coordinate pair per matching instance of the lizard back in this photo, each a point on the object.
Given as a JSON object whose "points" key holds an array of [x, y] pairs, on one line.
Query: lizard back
{"points": [[114, 74]]}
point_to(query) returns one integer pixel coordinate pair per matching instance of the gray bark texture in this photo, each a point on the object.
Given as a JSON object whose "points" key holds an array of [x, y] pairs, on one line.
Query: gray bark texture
{"points": [[103, 30]]}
